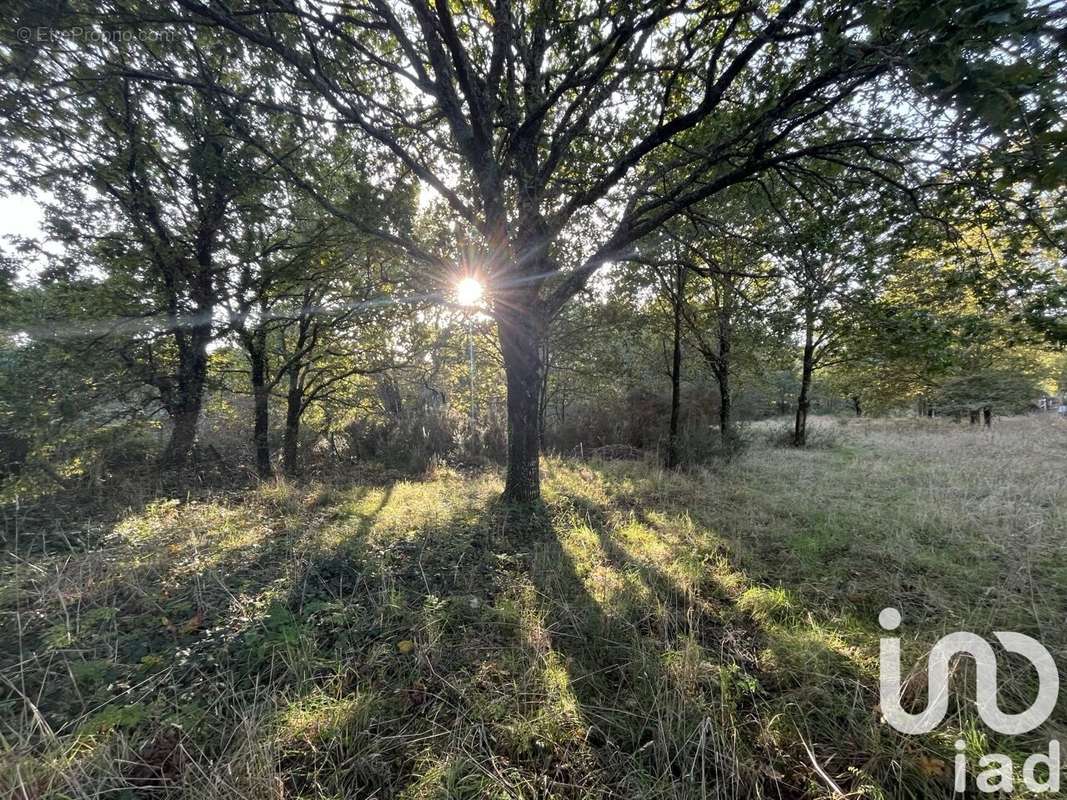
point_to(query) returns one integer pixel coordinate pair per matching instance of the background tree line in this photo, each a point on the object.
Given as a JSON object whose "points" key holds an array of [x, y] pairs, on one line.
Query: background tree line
{"points": [[685, 217]]}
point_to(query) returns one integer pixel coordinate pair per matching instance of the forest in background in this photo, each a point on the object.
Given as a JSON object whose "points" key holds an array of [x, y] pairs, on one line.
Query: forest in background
{"points": [[249, 252]]}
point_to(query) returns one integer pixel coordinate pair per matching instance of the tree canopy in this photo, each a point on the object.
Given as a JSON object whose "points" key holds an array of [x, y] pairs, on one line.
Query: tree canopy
{"points": [[863, 191]]}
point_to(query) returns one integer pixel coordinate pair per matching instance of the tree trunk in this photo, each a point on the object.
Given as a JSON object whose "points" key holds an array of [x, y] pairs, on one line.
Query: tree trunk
{"points": [[188, 397], [856, 405], [987, 416], [179, 449], [542, 407], [294, 402], [257, 355], [726, 423], [521, 332], [676, 372], [722, 377], [800, 429]]}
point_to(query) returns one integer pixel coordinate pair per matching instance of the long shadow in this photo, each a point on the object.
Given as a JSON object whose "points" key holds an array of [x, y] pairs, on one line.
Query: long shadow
{"points": [[599, 643], [821, 688], [165, 649], [408, 627], [642, 687]]}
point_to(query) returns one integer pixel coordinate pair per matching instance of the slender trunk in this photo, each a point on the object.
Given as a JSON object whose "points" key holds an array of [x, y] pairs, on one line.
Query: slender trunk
{"points": [[856, 405], [726, 423], [521, 332], [306, 336], [676, 372], [987, 416], [722, 376], [542, 408], [294, 402], [257, 355], [800, 429]]}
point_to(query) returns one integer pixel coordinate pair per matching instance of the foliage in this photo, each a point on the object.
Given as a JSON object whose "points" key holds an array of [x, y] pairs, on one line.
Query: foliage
{"points": [[1003, 392]]}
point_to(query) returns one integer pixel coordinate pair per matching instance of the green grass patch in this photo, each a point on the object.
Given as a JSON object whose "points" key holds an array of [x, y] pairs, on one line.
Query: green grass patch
{"points": [[640, 634]]}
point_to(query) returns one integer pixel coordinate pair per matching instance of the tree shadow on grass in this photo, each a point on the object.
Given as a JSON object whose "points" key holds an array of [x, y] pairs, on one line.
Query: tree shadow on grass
{"points": [[146, 636], [808, 676], [495, 650], [653, 686], [758, 668]]}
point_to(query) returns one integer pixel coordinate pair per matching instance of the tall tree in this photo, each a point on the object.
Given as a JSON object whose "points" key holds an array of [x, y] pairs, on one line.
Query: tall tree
{"points": [[834, 278], [734, 292], [542, 125], [536, 121], [143, 183]]}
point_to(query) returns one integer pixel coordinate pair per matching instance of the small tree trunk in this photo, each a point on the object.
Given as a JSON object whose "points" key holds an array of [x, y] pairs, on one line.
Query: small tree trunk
{"points": [[722, 377], [987, 416], [521, 332], [542, 407], [726, 414], [856, 405], [676, 372], [294, 401], [800, 428], [257, 354]]}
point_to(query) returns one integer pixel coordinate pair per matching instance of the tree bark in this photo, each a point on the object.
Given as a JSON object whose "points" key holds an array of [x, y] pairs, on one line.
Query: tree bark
{"points": [[542, 403], [800, 429], [188, 397], [179, 450], [726, 423], [676, 371], [521, 331], [722, 377], [294, 409], [257, 355]]}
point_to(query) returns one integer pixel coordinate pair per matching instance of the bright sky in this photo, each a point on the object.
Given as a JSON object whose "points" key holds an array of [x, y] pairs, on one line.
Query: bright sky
{"points": [[19, 215]]}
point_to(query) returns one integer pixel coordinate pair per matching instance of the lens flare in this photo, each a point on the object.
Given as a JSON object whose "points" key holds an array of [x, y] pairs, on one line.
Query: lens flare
{"points": [[468, 292]]}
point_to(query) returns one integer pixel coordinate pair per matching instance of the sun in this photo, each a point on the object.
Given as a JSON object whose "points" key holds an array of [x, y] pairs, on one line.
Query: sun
{"points": [[468, 292]]}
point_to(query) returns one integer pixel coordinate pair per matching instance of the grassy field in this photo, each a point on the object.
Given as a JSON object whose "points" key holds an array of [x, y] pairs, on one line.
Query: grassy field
{"points": [[642, 634]]}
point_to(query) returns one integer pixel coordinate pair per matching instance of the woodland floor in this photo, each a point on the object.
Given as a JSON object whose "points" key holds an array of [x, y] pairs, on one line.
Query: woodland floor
{"points": [[641, 634]]}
